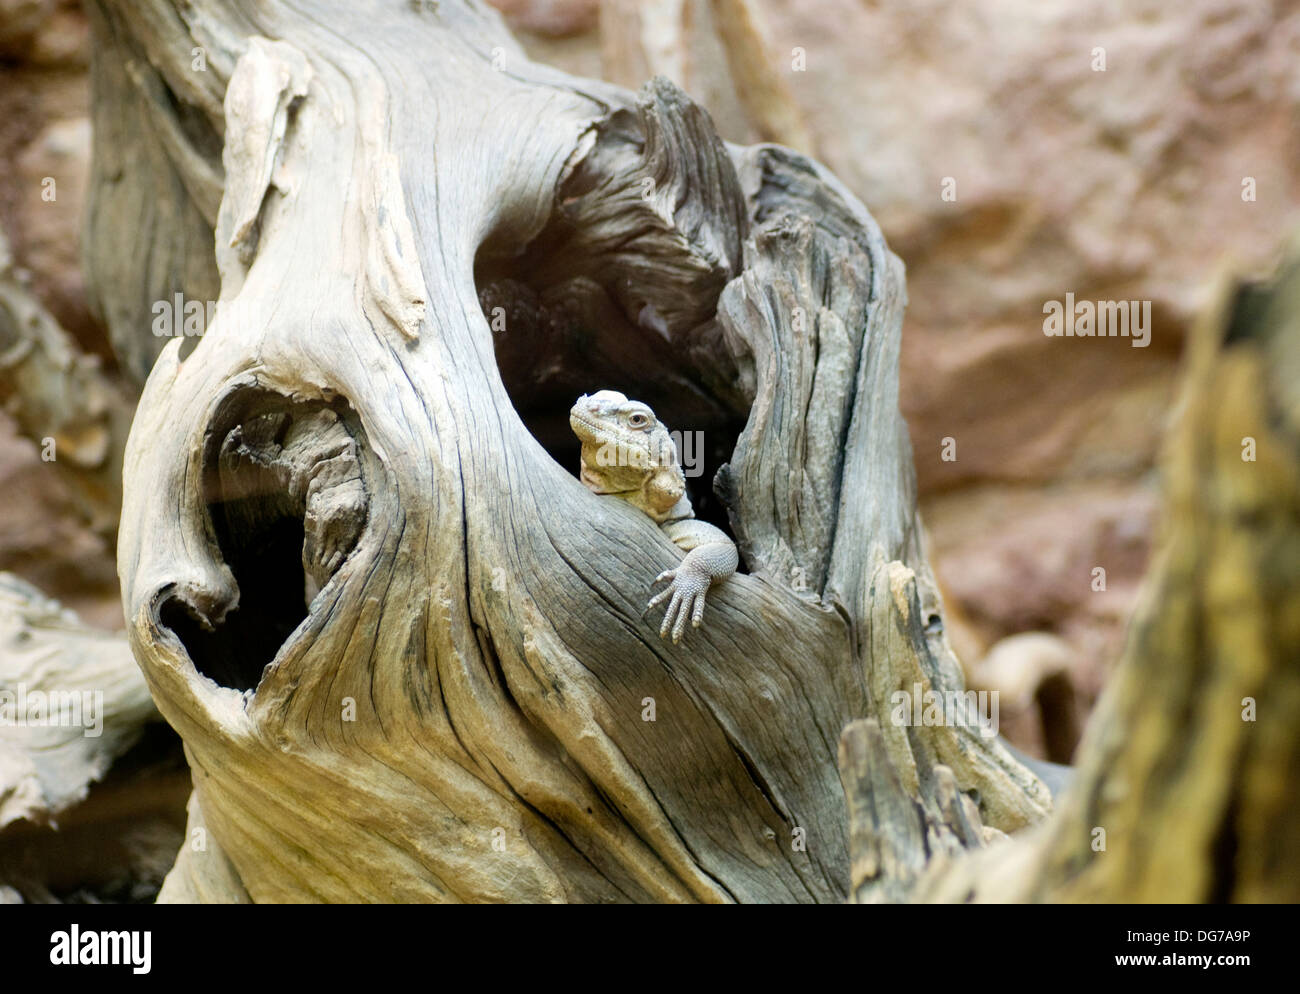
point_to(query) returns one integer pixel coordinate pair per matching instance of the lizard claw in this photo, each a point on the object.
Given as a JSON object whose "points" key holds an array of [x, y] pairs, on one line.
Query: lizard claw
{"points": [[668, 574], [687, 591]]}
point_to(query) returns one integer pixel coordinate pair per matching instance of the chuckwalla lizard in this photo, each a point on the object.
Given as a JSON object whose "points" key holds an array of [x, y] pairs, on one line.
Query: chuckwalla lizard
{"points": [[628, 453]]}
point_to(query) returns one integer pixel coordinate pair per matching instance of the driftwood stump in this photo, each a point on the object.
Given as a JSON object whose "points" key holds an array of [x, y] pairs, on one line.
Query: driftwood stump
{"points": [[407, 650]]}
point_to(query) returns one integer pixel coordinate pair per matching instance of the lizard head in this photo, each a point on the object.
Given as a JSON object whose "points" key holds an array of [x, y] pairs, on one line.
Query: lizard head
{"points": [[627, 452]]}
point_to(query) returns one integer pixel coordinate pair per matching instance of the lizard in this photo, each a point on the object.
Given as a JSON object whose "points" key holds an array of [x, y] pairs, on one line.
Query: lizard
{"points": [[628, 453]]}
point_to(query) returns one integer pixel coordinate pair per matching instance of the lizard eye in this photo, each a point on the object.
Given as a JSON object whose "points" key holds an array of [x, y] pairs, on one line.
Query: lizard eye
{"points": [[638, 420]]}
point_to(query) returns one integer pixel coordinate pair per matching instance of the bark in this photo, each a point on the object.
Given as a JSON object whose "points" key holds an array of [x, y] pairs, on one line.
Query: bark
{"points": [[407, 650]]}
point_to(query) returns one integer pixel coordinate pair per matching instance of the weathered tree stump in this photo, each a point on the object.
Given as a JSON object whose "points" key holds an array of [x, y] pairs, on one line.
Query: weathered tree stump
{"points": [[407, 650]]}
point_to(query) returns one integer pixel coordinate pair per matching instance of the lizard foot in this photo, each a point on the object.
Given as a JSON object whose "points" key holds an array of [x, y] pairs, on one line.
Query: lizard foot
{"points": [[687, 590]]}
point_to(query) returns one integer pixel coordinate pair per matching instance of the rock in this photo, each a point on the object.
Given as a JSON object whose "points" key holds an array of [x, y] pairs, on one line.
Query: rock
{"points": [[552, 18], [44, 33], [44, 540], [20, 20], [64, 40], [1022, 558], [1124, 183], [48, 233], [45, 132]]}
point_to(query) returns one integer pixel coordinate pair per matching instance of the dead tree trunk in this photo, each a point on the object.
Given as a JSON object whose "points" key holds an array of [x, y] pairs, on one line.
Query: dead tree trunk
{"points": [[406, 649]]}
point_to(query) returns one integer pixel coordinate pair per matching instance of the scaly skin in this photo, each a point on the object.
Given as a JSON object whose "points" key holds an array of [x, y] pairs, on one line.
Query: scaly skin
{"points": [[627, 453]]}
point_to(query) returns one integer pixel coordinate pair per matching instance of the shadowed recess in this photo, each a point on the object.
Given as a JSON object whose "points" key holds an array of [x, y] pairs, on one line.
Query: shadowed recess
{"points": [[619, 291], [285, 494]]}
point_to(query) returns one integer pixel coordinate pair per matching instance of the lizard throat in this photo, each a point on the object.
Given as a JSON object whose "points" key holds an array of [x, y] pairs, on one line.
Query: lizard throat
{"points": [[598, 486]]}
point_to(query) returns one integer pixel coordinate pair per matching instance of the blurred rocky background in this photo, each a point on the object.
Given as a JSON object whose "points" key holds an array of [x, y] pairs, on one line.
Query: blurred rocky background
{"points": [[1105, 149]]}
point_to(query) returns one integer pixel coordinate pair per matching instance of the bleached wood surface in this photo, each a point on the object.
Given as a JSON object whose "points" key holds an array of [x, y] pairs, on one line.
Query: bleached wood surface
{"points": [[406, 649]]}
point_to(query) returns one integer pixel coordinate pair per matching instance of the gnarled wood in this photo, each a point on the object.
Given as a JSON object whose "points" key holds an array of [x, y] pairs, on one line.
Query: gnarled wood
{"points": [[71, 701], [428, 247]]}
